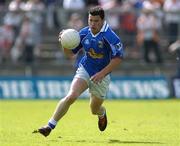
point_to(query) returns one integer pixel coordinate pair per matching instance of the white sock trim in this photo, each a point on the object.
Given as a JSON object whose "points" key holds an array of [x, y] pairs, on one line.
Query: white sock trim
{"points": [[101, 116], [52, 121]]}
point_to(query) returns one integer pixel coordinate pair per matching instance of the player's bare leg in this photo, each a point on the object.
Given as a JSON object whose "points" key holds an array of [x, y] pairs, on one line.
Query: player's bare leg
{"points": [[98, 109], [77, 87]]}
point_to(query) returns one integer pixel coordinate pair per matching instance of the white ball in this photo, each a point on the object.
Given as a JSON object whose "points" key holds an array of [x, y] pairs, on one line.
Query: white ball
{"points": [[70, 39]]}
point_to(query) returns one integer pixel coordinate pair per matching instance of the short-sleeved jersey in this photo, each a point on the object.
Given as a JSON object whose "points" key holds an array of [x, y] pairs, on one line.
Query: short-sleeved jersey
{"points": [[99, 49]]}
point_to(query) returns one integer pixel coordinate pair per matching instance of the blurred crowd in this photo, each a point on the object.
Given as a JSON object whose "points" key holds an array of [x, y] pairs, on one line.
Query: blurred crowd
{"points": [[142, 24]]}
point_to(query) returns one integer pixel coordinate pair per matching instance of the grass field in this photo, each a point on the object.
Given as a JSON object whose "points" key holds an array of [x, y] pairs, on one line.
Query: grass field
{"points": [[131, 123]]}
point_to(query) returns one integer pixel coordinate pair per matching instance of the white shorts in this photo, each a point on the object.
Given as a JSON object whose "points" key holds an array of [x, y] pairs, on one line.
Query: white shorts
{"points": [[99, 90]]}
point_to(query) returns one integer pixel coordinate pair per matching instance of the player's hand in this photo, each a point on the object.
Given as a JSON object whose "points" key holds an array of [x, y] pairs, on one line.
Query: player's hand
{"points": [[97, 78], [59, 37]]}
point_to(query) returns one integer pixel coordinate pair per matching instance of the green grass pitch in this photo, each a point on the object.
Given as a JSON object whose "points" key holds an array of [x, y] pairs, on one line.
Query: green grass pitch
{"points": [[131, 123]]}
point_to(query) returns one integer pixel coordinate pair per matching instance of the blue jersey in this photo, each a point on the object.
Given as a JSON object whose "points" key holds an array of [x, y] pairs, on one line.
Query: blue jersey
{"points": [[99, 49]]}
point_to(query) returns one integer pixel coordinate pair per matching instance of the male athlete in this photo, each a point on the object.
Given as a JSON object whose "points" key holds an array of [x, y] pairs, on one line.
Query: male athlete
{"points": [[103, 53]]}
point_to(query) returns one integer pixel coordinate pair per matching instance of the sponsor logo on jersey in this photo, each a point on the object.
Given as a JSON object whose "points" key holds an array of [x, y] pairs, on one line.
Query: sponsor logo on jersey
{"points": [[95, 55]]}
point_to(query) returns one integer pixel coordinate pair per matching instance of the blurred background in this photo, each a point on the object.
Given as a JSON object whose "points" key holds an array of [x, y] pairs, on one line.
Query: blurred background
{"points": [[32, 64]]}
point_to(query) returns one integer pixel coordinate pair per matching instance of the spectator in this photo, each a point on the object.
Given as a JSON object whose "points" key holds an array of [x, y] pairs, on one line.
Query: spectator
{"points": [[14, 16], [91, 3], [128, 24], [172, 9], [51, 14], [75, 21], [16, 5], [147, 34], [74, 4], [35, 10], [175, 47], [137, 4], [32, 27], [71, 6], [6, 41], [108, 4], [2, 4], [29, 38], [17, 49], [112, 13], [157, 8]]}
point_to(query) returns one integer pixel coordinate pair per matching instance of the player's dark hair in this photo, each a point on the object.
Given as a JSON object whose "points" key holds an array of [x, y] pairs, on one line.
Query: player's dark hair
{"points": [[97, 10]]}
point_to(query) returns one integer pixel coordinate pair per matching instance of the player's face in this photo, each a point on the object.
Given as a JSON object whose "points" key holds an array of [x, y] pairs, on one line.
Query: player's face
{"points": [[95, 23]]}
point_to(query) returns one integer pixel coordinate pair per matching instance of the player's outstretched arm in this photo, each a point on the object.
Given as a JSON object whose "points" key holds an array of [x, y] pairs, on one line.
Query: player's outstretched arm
{"points": [[108, 69], [68, 53], [114, 63]]}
